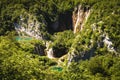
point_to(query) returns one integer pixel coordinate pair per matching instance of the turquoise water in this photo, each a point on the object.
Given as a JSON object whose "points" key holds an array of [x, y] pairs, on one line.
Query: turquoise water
{"points": [[22, 38], [57, 68]]}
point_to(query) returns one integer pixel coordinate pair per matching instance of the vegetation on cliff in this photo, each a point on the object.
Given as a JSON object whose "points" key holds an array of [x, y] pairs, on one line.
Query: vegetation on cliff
{"points": [[100, 37]]}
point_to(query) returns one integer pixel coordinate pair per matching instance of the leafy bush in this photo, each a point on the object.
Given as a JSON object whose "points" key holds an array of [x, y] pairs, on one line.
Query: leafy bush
{"points": [[17, 62], [99, 68]]}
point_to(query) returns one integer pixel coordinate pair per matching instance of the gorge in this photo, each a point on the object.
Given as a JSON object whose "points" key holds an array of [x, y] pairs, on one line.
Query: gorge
{"points": [[59, 39], [72, 20]]}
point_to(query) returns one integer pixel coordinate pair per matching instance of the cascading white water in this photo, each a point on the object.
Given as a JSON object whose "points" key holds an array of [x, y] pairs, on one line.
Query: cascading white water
{"points": [[49, 51], [79, 18]]}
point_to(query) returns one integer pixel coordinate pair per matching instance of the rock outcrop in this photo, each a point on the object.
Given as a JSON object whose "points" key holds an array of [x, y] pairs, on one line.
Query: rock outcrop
{"points": [[28, 25], [109, 44]]}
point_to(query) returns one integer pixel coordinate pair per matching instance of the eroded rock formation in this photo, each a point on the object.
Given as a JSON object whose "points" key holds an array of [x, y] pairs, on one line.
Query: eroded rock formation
{"points": [[109, 44], [28, 25]]}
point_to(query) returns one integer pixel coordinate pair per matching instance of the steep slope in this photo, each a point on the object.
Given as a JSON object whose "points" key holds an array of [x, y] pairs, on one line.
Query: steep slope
{"points": [[81, 37], [28, 25], [95, 26]]}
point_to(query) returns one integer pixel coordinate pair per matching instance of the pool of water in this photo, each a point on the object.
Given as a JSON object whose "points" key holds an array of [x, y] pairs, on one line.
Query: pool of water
{"points": [[57, 68], [22, 38]]}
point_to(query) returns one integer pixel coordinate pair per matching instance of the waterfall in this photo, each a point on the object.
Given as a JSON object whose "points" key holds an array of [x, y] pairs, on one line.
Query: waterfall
{"points": [[49, 51], [80, 17]]}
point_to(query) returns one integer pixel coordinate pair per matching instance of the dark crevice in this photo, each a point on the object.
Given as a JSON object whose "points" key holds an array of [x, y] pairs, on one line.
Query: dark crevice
{"points": [[64, 22], [60, 52]]}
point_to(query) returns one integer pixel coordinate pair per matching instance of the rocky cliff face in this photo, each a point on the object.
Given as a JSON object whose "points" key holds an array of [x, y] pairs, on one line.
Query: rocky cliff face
{"points": [[80, 16], [28, 25]]}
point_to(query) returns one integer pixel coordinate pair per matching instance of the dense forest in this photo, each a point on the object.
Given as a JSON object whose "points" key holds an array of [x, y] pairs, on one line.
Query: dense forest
{"points": [[59, 39]]}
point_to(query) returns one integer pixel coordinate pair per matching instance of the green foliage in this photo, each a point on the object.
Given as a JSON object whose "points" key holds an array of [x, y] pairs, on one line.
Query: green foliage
{"points": [[50, 9], [106, 12], [98, 68], [62, 42], [18, 62]]}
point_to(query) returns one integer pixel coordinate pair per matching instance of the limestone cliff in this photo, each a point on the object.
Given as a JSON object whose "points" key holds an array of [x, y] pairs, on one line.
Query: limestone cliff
{"points": [[28, 25]]}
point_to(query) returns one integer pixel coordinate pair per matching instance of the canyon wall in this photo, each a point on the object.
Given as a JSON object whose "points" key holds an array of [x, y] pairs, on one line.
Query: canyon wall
{"points": [[28, 25]]}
